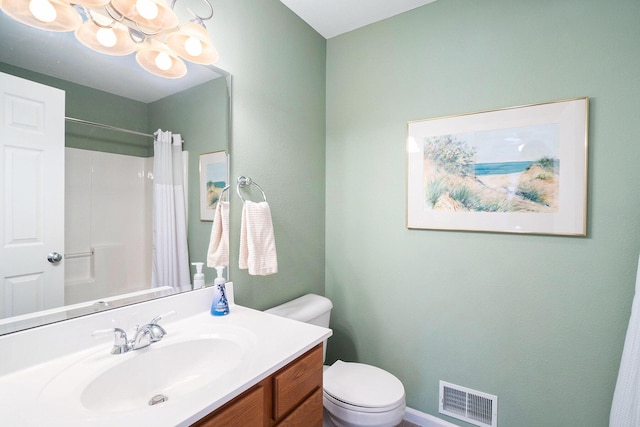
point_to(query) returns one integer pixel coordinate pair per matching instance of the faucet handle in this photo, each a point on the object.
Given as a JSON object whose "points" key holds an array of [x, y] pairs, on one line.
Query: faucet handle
{"points": [[121, 343], [156, 331], [143, 337], [162, 316]]}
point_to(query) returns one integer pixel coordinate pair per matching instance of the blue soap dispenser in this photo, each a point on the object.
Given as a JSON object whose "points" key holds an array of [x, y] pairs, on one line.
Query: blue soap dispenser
{"points": [[220, 305]]}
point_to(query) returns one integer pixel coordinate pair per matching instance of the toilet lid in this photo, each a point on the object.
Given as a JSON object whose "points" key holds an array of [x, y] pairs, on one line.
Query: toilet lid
{"points": [[362, 385]]}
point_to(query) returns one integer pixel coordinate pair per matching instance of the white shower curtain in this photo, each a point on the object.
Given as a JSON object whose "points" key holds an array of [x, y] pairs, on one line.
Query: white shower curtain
{"points": [[625, 410], [170, 260]]}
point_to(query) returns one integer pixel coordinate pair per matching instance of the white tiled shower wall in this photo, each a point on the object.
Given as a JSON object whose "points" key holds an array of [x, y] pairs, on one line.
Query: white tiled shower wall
{"points": [[107, 224]]}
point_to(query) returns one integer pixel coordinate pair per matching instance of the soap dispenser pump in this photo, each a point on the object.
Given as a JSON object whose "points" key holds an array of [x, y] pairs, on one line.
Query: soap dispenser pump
{"points": [[220, 305], [198, 278]]}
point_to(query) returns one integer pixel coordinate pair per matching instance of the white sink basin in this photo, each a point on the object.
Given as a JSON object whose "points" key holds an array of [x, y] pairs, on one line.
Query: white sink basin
{"points": [[164, 373], [158, 375]]}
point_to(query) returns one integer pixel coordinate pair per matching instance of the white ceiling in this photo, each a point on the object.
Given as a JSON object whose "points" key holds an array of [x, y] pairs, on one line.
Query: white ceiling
{"points": [[334, 17]]}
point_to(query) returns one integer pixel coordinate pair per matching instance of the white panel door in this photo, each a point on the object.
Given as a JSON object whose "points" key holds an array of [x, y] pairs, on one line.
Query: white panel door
{"points": [[31, 196]]}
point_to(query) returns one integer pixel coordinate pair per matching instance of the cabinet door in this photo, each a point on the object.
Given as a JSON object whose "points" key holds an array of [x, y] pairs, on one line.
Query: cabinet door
{"points": [[296, 382], [308, 414], [245, 411]]}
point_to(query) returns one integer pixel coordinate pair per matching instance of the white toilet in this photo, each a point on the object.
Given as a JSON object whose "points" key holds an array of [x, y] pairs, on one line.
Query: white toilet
{"points": [[355, 394]]}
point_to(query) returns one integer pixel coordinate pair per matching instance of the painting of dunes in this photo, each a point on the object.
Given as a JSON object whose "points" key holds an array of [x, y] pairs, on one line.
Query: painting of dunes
{"points": [[513, 170], [507, 170]]}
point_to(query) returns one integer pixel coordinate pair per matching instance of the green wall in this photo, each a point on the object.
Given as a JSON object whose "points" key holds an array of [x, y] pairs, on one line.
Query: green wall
{"points": [[537, 320], [278, 139], [201, 116]]}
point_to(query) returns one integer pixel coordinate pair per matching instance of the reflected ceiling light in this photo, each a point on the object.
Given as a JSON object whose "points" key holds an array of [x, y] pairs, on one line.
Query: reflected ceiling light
{"points": [[52, 15], [412, 145], [121, 27]]}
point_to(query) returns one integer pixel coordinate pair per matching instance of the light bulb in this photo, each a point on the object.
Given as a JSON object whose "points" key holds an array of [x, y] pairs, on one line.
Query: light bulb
{"points": [[193, 46], [43, 10], [163, 61], [106, 37], [148, 9]]}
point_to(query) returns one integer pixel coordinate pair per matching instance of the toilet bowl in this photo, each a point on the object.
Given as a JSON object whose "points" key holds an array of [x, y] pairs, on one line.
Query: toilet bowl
{"points": [[354, 394]]}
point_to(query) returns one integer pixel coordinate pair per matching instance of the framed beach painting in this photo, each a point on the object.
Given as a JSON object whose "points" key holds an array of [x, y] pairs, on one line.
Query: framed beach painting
{"points": [[513, 170], [214, 176]]}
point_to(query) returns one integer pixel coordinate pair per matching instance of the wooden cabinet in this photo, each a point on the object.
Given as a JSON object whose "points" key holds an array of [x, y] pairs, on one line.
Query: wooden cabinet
{"points": [[292, 397], [308, 414], [246, 410]]}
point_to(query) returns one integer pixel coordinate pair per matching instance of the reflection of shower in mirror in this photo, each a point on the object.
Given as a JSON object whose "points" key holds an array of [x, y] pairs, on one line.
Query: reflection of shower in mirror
{"points": [[108, 202], [108, 227]]}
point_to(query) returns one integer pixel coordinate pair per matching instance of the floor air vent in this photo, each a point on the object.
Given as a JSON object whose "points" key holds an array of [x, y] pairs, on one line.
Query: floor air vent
{"points": [[468, 405]]}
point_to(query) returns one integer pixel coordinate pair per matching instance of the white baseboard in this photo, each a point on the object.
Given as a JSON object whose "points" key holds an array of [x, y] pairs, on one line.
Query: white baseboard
{"points": [[425, 420]]}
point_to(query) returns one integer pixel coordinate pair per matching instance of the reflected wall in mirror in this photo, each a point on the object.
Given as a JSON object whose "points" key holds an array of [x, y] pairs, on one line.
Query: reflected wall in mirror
{"points": [[108, 176]]}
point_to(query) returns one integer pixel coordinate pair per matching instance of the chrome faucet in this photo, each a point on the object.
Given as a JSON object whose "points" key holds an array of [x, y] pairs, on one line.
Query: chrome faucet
{"points": [[145, 335], [121, 345]]}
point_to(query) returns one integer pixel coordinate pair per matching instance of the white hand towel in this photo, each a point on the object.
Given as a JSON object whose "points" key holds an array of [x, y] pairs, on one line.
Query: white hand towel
{"points": [[218, 253], [257, 241]]}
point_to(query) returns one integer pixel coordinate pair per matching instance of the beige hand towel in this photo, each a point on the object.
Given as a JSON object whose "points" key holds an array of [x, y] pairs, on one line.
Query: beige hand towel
{"points": [[257, 241], [218, 253]]}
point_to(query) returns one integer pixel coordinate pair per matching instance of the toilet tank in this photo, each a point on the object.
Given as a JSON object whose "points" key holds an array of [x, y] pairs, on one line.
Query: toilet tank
{"points": [[310, 308]]}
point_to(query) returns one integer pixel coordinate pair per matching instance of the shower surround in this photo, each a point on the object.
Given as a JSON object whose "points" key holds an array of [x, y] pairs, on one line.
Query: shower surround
{"points": [[108, 205]]}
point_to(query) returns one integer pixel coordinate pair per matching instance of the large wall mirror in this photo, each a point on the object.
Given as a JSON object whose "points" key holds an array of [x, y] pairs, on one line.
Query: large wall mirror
{"points": [[108, 172]]}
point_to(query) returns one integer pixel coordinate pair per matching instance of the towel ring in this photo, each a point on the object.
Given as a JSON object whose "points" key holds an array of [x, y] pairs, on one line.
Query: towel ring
{"points": [[244, 181], [222, 193]]}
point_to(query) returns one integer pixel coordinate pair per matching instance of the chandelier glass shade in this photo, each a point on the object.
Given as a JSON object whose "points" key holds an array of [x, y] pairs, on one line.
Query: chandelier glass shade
{"points": [[158, 59], [150, 28], [149, 14], [193, 44], [51, 15], [111, 39]]}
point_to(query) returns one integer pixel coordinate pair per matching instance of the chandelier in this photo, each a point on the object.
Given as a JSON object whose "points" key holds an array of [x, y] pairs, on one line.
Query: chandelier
{"points": [[150, 28]]}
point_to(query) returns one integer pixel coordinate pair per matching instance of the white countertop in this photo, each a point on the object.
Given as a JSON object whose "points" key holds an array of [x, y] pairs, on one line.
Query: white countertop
{"points": [[34, 359]]}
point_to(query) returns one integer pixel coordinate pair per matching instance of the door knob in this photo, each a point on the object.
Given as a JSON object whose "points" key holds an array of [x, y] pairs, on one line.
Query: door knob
{"points": [[54, 257]]}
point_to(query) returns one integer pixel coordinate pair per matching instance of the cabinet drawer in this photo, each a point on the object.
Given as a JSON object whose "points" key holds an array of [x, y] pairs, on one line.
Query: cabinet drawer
{"points": [[246, 410], [308, 414], [296, 382]]}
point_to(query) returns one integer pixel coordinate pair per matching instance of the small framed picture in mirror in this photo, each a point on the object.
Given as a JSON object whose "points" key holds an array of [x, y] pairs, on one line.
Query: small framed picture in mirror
{"points": [[214, 176]]}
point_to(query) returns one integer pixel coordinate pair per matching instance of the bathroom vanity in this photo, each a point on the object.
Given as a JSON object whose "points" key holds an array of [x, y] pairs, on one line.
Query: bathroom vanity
{"points": [[290, 397], [245, 369]]}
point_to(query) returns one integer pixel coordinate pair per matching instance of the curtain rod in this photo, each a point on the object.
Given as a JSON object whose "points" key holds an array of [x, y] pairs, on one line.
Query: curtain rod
{"points": [[109, 127]]}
